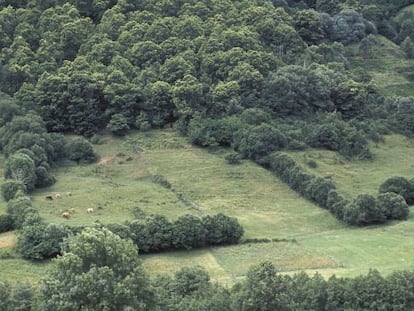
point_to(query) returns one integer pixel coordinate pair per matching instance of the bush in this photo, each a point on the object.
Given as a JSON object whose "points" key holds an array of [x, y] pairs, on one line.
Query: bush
{"points": [[222, 229], [394, 205], [80, 150], [19, 209], [38, 241], [401, 186], [259, 141], [233, 158], [364, 210], [118, 125], [10, 188], [188, 232], [21, 167], [6, 223]]}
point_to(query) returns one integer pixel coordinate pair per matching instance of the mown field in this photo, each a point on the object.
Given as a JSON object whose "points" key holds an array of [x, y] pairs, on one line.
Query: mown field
{"points": [[128, 175]]}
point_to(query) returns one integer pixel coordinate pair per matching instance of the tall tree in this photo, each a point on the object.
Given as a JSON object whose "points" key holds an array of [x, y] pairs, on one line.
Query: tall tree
{"points": [[98, 271]]}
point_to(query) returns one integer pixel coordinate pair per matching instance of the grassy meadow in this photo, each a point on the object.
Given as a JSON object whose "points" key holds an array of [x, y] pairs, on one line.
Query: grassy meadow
{"points": [[388, 66], [128, 174]]}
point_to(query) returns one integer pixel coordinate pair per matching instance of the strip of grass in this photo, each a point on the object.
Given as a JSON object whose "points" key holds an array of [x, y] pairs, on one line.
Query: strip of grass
{"points": [[394, 157]]}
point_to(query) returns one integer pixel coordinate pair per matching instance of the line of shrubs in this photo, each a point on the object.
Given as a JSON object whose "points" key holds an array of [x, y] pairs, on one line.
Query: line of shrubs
{"points": [[151, 233], [365, 209], [155, 233]]}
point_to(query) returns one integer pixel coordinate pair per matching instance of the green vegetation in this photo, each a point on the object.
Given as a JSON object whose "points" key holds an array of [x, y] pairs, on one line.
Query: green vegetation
{"points": [[317, 93]]}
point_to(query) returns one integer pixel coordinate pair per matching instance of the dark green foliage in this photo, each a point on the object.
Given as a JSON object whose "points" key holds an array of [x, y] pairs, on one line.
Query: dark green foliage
{"points": [[311, 187], [408, 47], [6, 223], [151, 233], [318, 188], [189, 280], [80, 150], [394, 205], [336, 203], [38, 241], [188, 232], [401, 186], [262, 290], [335, 134], [155, 233], [221, 229], [118, 125], [308, 26], [233, 158], [19, 209], [255, 116], [364, 210], [99, 271], [402, 112], [12, 188], [21, 167], [259, 141]]}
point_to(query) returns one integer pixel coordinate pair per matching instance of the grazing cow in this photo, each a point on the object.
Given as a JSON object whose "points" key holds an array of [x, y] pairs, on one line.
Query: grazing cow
{"points": [[49, 197], [58, 195], [89, 210], [66, 215]]}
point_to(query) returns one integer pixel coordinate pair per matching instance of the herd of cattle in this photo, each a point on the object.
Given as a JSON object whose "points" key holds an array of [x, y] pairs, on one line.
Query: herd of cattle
{"points": [[71, 211]]}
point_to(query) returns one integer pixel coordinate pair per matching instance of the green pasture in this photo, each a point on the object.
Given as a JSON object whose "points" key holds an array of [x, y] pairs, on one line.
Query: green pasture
{"points": [[394, 157], [201, 182]]}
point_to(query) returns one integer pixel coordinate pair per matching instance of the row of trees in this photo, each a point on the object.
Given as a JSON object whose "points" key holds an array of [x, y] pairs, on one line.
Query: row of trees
{"points": [[365, 209], [99, 270], [156, 233]]}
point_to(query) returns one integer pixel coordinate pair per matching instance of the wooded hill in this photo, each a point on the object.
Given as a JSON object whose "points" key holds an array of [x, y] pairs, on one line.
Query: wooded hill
{"points": [[262, 77]]}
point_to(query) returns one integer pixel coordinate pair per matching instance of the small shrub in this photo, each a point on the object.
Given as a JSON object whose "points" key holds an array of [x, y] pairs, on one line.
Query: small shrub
{"points": [[118, 125], [96, 139], [233, 158], [10, 188], [312, 164], [401, 186], [80, 150], [6, 223]]}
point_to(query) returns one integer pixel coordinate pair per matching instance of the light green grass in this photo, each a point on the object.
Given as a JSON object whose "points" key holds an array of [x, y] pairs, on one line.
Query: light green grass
{"points": [[395, 157], [264, 205], [388, 67]]}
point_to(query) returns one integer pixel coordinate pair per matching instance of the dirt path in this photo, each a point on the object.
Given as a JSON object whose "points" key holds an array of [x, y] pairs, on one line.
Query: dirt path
{"points": [[7, 240], [106, 160]]}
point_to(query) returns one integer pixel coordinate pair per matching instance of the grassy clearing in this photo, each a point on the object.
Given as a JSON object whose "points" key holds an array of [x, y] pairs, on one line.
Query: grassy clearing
{"points": [[265, 206], [394, 157]]}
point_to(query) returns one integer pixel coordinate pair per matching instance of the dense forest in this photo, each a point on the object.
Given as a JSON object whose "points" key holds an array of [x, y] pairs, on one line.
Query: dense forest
{"points": [[261, 77]]}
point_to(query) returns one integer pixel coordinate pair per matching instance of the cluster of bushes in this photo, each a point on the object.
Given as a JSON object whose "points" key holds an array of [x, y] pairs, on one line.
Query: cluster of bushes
{"points": [[31, 151], [36, 239], [155, 233], [334, 134], [254, 135], [364, 210]]}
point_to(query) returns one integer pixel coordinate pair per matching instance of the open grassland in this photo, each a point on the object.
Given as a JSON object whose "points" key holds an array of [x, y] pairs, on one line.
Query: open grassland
{"points": [[129, 172], [394, 157]]}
